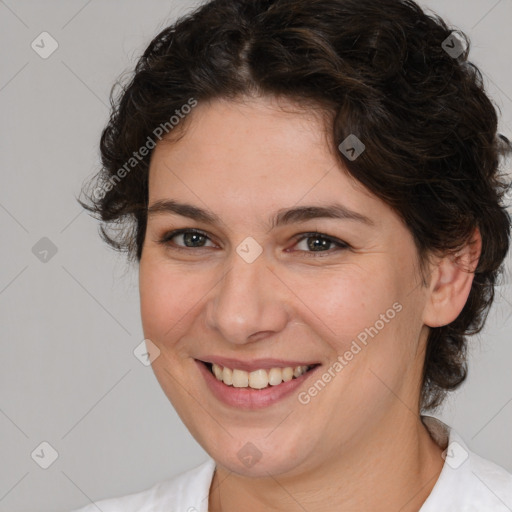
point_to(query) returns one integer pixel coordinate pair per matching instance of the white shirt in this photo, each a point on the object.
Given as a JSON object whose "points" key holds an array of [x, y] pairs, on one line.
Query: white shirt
{"points": [[467, 483]]}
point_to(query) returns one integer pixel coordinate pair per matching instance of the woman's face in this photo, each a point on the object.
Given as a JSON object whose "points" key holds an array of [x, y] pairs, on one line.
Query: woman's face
{"points": [[269, 281]]}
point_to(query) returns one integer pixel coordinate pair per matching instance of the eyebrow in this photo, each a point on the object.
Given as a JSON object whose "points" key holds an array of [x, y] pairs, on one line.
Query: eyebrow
{"points": [[282, 217]]}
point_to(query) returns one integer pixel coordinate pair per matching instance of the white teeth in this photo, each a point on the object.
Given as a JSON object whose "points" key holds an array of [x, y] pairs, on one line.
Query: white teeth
{"points": [[299, 370], [227, 376], [240, 379], [287, 374], [275, 376], [217, 370], [258, 379]]}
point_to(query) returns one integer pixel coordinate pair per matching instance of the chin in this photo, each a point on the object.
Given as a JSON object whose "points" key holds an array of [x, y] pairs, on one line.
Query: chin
{"points": [[258, 456]]}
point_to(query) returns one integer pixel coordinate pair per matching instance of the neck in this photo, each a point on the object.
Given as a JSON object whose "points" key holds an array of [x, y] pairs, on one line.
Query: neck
{"points": [[391, 468]]}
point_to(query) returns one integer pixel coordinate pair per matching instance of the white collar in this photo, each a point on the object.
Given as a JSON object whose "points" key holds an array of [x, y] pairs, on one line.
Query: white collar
{"points": [[467, 482]]}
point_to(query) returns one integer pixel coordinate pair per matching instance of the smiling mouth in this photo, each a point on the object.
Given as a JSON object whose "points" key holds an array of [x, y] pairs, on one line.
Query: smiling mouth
{"points": [[257, 379]]}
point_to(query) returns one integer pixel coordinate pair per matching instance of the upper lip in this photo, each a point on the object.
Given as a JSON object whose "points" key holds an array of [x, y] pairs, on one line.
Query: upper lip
{"points": [[254, 364]]}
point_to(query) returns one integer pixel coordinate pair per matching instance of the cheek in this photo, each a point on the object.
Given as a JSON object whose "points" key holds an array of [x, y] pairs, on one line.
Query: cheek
{"points": [[346, 302], [168, 299], [376, 338], [366, 317]]}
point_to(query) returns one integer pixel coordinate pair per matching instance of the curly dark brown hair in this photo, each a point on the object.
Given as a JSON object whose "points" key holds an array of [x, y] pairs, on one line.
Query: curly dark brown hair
{"points": [[385, 71]]}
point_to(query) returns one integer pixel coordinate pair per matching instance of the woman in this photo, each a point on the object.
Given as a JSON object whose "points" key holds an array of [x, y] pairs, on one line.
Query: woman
{"points": [[312, 192]]}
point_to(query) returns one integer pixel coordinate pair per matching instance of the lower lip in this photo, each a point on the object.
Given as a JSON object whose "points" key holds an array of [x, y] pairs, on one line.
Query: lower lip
{"points": [[248, 398]]}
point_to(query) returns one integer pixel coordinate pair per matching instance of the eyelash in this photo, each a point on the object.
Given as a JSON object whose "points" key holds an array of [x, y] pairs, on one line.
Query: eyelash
{"points": [[165, 240]]}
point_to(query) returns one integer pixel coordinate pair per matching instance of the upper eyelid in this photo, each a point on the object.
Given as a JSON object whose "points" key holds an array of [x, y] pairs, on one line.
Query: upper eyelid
{"points": [[175, 232]]}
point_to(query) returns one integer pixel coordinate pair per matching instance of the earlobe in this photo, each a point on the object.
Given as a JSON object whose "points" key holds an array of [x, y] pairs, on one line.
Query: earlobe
{"points": [[451, 283]]}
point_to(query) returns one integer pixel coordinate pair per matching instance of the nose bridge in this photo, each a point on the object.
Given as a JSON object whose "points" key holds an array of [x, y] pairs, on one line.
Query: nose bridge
{"points": [[245, 301]]}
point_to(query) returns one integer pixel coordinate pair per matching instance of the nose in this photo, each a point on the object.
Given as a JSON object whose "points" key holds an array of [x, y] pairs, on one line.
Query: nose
{"points": [[248, 303]]}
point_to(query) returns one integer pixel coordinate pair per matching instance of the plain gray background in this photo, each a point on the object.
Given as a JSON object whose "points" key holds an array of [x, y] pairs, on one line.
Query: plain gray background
{"points": [[70, 324]]}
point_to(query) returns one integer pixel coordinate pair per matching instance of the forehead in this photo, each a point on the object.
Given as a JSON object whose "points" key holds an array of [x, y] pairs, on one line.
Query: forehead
{"points": [[248, 129], [253, 137], [257, 155]]}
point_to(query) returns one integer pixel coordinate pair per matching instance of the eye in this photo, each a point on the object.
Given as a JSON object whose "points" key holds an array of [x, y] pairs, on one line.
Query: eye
{"points": [[191, 238], [317, 242]]}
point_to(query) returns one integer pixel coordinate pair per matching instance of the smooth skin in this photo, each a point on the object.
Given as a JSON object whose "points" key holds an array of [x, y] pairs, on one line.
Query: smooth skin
{"points": [[359, 443]]}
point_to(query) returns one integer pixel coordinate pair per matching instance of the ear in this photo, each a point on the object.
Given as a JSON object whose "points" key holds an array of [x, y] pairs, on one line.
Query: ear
{"points": [[451, 282]]}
